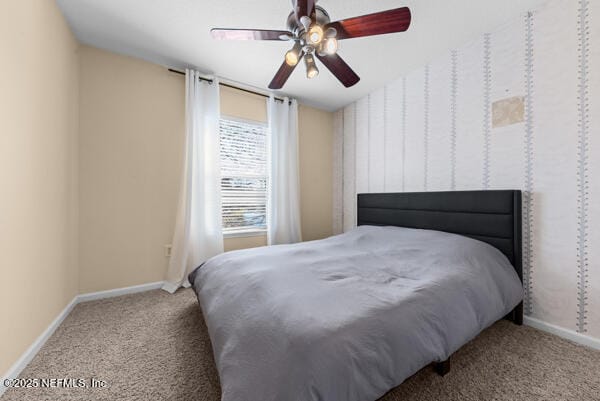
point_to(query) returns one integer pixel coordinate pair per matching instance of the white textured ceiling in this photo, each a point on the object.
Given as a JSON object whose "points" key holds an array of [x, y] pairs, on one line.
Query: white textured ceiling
{"points": [[175, 33]]}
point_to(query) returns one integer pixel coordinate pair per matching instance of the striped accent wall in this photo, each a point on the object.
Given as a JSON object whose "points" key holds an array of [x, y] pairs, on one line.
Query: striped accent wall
{"points": [[432, 130]]}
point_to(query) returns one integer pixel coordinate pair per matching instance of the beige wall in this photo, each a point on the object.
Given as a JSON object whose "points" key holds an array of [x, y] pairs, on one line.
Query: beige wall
{"points": [[132, 131], [316, 152], [38, 172], [131, 142]]}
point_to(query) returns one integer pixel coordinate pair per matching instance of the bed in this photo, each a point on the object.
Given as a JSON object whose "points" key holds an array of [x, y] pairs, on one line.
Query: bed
{"points": [[352, 316]]}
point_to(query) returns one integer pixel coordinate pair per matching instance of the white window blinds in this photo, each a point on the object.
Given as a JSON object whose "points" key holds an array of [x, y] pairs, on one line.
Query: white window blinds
{"points": [[243, 176]]}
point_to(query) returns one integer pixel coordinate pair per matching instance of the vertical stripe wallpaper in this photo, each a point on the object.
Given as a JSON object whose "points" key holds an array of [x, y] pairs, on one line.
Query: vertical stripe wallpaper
{"points": [[487, 104], [338, 172], [593, 167], [453, 97], [582, 166], [426, 129], [528, 179], [393, 142], [385, 134], [403, 132], [432, 130]]}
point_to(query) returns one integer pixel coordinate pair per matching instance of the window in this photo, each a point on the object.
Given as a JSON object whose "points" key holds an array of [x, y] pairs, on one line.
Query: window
{"points": [[243, 176]]}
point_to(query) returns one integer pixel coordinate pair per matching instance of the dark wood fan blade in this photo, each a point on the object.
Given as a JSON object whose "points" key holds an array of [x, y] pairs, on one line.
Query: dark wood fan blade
{"points": [[390, 21], [340, 69], [304, 8], [283, 73], [249, 34]]}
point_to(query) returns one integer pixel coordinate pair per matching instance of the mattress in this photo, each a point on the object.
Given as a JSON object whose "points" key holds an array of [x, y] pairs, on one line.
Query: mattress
{"points": [[351, 316]]}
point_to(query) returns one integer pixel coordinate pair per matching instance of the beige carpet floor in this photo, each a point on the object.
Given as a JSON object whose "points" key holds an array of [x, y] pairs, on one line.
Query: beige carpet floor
{"points": [[154, 346]]}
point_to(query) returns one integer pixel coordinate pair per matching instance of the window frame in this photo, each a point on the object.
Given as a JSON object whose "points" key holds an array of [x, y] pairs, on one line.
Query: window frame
{"points": [[251, 232]]}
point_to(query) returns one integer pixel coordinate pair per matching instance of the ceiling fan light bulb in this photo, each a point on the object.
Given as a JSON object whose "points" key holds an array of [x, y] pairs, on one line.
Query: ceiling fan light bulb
{"points": [[311, 67], [292, 56], [315, 38], [315, 35], [331, 46]]}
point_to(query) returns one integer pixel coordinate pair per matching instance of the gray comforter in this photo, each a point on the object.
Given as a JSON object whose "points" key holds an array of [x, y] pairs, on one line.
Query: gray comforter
{"points": [[351, 316]]}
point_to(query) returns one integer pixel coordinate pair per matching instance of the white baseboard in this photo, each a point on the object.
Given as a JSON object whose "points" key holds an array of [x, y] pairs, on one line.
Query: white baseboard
{"points": [[562, 332], [33, 349], [30, 353], [92, 296]]}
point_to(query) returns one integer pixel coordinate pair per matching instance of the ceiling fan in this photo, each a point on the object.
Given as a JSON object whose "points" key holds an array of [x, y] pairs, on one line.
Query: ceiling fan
{"points": [[313, 34]]}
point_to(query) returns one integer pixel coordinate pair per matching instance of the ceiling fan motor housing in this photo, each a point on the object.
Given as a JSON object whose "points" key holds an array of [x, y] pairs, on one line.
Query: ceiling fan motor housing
{"points": [[296, 27]]}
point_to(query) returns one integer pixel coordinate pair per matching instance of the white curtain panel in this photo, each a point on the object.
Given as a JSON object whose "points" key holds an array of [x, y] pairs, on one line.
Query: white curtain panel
{"points": [[283, 210], [198, 229]]}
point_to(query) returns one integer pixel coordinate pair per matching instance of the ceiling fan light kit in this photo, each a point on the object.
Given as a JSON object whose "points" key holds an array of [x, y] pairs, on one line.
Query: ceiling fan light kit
{"points": [[329, 46], [311, 67], [293, 55], [313, 34]]}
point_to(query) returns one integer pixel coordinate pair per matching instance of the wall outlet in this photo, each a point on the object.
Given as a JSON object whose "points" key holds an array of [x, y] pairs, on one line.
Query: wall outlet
{"points": [[168, 248]]}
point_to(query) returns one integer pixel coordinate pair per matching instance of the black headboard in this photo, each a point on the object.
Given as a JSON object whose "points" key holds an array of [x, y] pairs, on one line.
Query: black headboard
{"points": [[489, 216]]}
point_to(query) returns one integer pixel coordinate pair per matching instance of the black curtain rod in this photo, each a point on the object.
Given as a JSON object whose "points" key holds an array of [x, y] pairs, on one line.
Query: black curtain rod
{"points": [[230, 86]]}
